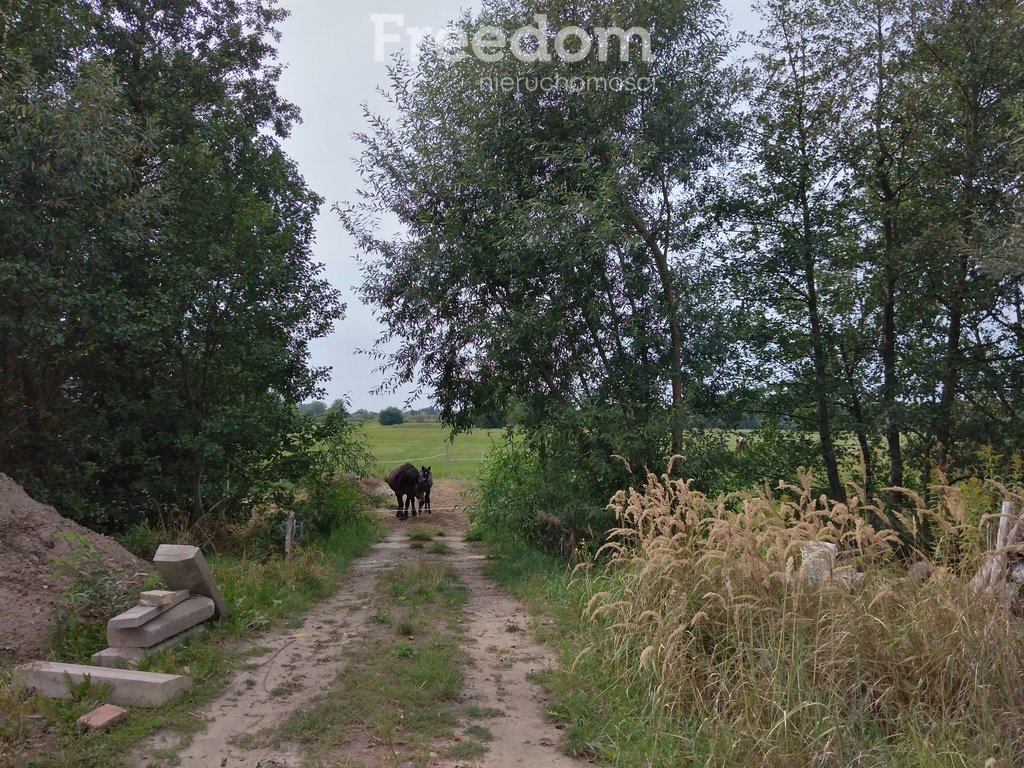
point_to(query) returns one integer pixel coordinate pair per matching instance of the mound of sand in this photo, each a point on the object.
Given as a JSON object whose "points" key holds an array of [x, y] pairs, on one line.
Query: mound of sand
{"points": [[31, 537]]}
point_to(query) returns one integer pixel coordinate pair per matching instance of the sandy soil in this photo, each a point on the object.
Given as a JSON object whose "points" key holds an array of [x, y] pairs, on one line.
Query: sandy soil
{"points": [[503, 655], [32, 536]]}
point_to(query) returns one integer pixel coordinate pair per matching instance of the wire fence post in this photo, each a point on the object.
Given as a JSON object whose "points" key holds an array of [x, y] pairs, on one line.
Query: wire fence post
{"points": [[289, 535]]}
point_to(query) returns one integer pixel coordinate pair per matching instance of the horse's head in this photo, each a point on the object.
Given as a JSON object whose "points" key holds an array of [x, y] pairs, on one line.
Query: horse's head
{"points": [[425, 480]]}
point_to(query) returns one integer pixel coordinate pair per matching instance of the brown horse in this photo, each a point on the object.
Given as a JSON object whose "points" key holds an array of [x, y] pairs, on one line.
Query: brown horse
{"points": [[423, 486], [404, 481]]}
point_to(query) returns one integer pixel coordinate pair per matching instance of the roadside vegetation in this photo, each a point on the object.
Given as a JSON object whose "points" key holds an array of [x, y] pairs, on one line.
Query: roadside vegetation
{"points": [[263, 588], [690, 635], [262, 593]]}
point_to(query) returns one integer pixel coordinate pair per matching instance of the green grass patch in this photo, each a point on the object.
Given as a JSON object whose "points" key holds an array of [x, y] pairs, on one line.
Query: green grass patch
{"points": [[438, 548], [427, 445], [420, 584], [43, 733], [483, 713], [419, 533], [479, 733], [401, 693], [467, 749]]}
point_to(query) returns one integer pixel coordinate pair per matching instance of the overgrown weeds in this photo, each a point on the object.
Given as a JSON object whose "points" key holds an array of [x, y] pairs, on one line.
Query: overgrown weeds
{"points": [[95, 592], [698, 641]]}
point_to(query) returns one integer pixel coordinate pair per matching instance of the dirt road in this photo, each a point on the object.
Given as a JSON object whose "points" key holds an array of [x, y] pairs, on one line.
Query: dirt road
{"points": [[289, 669]]}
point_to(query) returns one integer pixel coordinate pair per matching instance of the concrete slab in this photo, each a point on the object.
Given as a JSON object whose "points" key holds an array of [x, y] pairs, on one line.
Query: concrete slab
{"points": [[126, 657], [179, 618], [184, 567], [135, 617], [817, 559], [127, 686], [163, 598], [103, 717]]}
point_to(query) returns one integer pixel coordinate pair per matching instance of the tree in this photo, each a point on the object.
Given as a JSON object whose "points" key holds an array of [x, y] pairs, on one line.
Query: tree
{"points": [[315, 409], [970, 69], [391, 416], [549, 261], [797, 207], [69, 211], [193, 350]]}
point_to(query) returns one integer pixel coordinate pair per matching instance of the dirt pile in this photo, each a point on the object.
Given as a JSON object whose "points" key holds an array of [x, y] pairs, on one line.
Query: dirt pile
{"points": [[32, 536]]}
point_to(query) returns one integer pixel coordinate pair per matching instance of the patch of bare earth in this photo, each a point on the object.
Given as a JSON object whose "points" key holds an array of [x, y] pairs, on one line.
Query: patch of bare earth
{"points": [[296, 666], [34, 536]]}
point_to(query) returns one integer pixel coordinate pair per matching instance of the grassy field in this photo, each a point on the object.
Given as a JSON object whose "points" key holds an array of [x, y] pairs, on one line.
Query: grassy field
{"points": [[427, 444]]}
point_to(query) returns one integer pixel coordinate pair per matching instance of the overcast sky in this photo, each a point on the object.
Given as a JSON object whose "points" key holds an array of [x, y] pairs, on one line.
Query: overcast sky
{"points": [[328, 47]]}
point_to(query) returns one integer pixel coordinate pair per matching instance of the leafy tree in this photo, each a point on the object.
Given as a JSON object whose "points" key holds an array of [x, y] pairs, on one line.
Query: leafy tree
{"points": [[549, 261], [970, 70], [194, 350], [315, 409], [797, 208], [391, 416]]}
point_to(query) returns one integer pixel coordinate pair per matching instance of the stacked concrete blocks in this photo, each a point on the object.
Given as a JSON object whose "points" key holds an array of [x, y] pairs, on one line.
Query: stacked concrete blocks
{"points": [[164, 618], [161, 620]]}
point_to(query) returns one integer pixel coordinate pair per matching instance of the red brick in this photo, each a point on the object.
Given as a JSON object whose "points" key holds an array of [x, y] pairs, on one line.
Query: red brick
{"points": [[103, 717]]}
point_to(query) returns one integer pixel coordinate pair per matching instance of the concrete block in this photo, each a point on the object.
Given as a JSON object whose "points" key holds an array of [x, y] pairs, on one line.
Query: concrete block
{"points": [[183, 616], [125, 657], [141, 614], [134, 617], [184, 567], [817, 559], [103, 717], [164, 598], [127, 686]]}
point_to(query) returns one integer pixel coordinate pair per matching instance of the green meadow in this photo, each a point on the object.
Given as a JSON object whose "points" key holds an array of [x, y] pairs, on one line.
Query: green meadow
{"points": [[427, 444]]}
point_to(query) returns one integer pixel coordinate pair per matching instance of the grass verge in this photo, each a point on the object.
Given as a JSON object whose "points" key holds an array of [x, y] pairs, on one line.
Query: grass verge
{"points": [[699, 642], [43, 733], [399, 691]]}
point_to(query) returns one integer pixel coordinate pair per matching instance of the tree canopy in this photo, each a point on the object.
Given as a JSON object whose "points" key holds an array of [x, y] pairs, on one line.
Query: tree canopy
{"points": [[159, 291], [816, 239]]}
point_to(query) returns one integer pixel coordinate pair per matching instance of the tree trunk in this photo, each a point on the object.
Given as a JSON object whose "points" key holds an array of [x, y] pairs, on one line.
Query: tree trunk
{"points": [[888, 351], [828, 455], [675, 333]]}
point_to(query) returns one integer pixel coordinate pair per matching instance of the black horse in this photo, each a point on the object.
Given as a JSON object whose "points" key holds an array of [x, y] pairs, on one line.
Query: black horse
{"points": [[404, 481], [423, 486]]}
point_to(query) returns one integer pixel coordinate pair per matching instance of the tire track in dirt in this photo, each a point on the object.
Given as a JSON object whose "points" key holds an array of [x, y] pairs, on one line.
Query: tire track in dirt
{"points": [[293, 667]]}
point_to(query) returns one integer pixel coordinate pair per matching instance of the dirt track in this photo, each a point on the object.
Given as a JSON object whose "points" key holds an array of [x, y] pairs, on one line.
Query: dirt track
{"points": [[308, 660]]}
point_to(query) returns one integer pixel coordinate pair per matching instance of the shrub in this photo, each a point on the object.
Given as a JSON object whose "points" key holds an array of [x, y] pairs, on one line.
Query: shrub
{"points": [[96, 592], [390, 416], [549, 506], [715, 466]]}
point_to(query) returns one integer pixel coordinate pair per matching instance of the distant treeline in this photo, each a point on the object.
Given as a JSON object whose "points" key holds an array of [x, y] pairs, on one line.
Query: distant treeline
{"points": [[393, 415]]}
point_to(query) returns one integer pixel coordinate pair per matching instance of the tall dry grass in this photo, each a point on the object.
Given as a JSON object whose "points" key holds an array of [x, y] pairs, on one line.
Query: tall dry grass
{"points": [[706, 609]]}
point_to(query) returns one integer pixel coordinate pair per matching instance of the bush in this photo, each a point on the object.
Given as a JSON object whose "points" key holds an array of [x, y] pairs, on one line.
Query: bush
{"points": [[525, 499], [95, 593], [390, 416], [715, 466]]}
